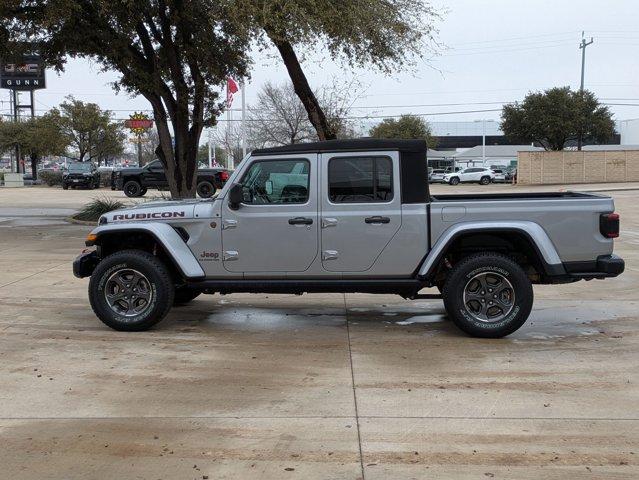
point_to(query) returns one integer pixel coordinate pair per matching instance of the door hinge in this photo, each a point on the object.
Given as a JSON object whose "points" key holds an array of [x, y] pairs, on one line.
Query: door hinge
{"points": [[230, 255], [330, 255], [226, 224], [329, 222]]}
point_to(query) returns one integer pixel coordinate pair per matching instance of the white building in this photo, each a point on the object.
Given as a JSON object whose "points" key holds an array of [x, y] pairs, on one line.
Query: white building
{"points": [[498, 155], [629, 131]]}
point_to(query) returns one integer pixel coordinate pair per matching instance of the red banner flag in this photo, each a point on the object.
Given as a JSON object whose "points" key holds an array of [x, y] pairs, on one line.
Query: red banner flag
{"points": [[231, 88]]}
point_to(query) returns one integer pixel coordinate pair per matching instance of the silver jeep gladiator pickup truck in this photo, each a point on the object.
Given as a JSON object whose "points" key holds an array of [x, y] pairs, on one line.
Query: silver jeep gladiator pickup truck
{"points": [[348, 216]]}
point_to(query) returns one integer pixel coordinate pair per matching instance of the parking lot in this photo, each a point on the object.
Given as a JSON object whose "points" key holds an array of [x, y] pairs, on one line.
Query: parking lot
{"points": [[310, 387]]}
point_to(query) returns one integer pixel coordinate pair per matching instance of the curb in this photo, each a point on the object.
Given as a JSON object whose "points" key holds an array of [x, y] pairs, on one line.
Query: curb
{"points": [[80, 222]]}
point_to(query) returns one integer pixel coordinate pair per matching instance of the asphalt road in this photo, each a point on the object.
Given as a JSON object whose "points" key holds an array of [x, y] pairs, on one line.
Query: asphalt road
{"points": [[309, 387]]}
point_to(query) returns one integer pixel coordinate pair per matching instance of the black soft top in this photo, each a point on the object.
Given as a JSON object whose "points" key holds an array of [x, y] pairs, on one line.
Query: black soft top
{"points": [[414, 169]]}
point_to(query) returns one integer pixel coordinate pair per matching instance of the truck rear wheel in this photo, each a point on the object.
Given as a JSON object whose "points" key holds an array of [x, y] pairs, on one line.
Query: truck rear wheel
{"points": [[131, 290], [205, 189], [133, 189], [488, 295]]}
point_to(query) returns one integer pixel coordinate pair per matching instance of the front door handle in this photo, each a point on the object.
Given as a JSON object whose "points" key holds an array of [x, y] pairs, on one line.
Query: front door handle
{"points": [[300, 221], [377, 219]]}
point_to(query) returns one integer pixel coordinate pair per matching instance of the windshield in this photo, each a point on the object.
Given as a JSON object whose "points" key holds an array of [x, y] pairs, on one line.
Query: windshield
{"points": [[80, 167]]}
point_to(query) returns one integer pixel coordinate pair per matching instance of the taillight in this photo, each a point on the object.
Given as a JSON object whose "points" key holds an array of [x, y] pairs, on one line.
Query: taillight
{"points": [[224, 176], [609, 225]]}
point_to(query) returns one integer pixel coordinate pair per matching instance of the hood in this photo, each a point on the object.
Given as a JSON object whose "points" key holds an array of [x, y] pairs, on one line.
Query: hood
{"points": [[128, 170], [163, 211]]}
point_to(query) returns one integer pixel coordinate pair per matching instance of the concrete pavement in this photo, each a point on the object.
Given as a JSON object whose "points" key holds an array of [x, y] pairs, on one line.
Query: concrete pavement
{"points": [[313, 386]]}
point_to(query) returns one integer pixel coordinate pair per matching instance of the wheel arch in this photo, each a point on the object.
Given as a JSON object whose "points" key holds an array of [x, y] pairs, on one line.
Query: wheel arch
{"points": [[527, 238], [160, 239]]}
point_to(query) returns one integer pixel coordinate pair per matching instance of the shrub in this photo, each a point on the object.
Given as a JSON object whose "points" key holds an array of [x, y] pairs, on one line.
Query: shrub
{"points": [[51, 178], [105, 179], [92, 211]]}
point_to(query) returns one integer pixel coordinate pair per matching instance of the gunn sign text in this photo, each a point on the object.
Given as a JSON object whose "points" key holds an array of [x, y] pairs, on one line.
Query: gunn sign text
{"points": [[25, 75]]}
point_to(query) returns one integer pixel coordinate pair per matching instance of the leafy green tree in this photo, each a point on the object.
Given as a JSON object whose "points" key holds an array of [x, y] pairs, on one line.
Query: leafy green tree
{"points": [[384, 34], [37, 137], [406, 126], [177, 54], [91, 133], [174, 53], [556, 117]]}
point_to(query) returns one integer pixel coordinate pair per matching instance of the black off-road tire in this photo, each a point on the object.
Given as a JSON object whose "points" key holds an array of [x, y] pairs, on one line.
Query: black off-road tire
{"points": [[65, 186], [205, 189], [484, 180], [133, 189], [495, 265], [454, 181], [184, 295], [159, 281]]}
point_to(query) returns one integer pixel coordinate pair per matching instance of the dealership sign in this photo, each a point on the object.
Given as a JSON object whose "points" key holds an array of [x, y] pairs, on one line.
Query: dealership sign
{"points": [[138, 123], [28, 74]]}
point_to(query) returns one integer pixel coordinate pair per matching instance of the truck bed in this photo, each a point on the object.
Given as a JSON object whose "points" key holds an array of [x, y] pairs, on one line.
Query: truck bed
{"points": [[571, 219], [512, 196]]}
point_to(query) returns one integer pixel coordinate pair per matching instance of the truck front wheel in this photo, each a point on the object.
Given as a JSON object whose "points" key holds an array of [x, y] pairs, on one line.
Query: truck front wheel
{"points": [[488, 295], [205, 189], [131, 290]]}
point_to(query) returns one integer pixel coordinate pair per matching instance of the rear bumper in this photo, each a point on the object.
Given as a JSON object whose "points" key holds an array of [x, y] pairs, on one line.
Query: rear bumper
{"points": [[606, 266], [85, 263]]}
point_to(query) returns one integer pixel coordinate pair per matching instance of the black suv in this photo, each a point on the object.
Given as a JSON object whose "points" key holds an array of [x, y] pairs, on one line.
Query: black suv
{"points": [[135, 181], [81, 174]]}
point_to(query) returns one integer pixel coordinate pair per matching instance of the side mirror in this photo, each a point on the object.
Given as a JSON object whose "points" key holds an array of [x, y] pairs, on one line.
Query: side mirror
{"points": [[236, 195]]}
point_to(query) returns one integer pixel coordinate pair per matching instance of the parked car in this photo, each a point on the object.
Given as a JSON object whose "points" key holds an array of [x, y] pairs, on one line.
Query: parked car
{"points": [[136, 181], [500, 175], [81, 174], [481, 175], [437, 176], [348, 216]]}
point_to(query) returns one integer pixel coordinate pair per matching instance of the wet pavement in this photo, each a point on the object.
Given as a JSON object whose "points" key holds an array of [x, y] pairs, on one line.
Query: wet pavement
{"points": [[313, 386]]}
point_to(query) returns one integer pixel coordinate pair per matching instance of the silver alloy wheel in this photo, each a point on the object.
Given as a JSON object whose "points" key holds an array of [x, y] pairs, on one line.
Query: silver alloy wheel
{"points": [[489, 297], [128, 292]]}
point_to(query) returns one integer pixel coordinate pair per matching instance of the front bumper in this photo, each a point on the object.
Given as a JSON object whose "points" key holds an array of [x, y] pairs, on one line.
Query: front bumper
{"points": [[80, 181], [85, 263]]}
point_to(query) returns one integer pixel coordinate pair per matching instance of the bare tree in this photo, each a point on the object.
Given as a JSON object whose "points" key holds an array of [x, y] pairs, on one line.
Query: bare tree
{"points": [[280, 118]]}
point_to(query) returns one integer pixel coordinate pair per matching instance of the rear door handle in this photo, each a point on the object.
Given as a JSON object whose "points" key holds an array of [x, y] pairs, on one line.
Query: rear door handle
{"points": [[300, 221], [377, 219]]}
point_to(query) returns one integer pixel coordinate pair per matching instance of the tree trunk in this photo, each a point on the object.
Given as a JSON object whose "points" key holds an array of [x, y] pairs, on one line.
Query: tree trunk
{"points": [[34, 168], [179, 160], [303, 90]]}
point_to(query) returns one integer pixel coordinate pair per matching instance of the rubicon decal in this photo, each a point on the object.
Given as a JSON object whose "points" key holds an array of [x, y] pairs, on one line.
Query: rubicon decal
{"points": [[148, 216]]}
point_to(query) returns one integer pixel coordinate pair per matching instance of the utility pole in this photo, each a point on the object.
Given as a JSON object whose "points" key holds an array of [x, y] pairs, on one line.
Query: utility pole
{"points": [[582, 47]]}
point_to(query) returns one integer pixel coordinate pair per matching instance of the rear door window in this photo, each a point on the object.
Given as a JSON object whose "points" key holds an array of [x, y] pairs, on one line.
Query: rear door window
{"points": [[360, 180]]}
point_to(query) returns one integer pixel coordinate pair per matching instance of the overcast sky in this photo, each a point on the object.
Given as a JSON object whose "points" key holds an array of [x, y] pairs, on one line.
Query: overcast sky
{"points": [[497, 51]]}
